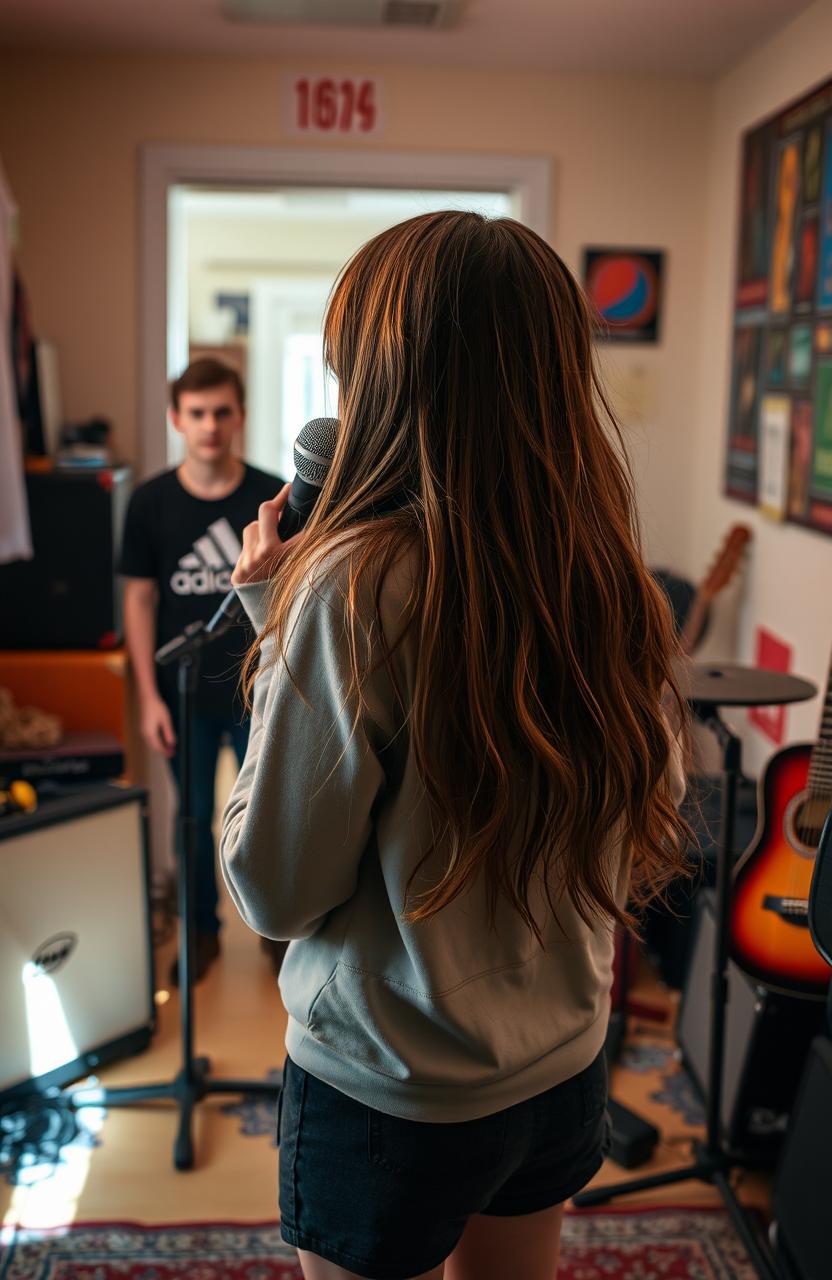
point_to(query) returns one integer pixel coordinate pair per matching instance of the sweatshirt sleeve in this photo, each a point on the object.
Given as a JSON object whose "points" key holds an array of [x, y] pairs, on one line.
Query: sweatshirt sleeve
{"points": [[300, 815]]}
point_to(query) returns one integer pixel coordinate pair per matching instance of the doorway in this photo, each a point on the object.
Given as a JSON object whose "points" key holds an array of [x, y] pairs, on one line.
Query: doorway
{"points": [[256, 269], [408, 181], [357, 178]]}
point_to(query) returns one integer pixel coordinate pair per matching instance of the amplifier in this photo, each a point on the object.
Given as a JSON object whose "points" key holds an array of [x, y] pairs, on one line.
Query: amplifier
{"points": [[78, 757], [69, 595], [767, 1038], [803, 1184], [76, 964]]}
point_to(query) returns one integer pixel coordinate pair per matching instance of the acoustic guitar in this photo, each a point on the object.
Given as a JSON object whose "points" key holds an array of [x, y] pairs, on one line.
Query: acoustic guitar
{"points": [[769, 916], [718, 576]]}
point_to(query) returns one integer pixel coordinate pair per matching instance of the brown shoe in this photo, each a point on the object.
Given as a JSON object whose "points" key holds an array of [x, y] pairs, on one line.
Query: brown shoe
{"points": [[275, 951], [206, 950]]}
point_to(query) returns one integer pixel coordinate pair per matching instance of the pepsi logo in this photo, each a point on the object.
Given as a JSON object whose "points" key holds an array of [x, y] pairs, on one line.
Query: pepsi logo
{"points": [[624, 289]]}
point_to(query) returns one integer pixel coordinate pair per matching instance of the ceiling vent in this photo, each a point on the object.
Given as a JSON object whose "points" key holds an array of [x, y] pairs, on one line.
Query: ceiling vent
{"points": [[415, 13], [422, 15]]}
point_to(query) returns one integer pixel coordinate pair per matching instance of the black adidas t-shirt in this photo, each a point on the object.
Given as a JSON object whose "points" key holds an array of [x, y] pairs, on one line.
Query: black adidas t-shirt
{"points": [[189, 546]]}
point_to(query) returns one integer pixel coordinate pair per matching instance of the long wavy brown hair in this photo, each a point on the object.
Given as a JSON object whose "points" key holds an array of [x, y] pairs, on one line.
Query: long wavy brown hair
{"points": [[474, 429]]}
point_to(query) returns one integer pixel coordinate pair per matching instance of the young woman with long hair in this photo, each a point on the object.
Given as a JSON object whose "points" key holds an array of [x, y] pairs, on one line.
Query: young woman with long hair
{"points": [[464, 765]]}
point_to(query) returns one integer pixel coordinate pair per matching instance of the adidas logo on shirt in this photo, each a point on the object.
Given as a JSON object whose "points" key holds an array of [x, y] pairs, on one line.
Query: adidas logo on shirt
{"points": [[206, 570]]}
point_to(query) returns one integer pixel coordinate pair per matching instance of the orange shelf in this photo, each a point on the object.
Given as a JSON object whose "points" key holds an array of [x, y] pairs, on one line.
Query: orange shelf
{"points": [[88, 690]]}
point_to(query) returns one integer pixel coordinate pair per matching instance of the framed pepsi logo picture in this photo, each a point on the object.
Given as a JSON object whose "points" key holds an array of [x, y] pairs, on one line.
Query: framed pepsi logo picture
{"points": [[625, 287]]}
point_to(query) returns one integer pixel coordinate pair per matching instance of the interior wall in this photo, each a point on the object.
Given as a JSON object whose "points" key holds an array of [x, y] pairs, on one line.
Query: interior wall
{"points": [[629, 164], [635, 161], [228, 254], [789, 569]]}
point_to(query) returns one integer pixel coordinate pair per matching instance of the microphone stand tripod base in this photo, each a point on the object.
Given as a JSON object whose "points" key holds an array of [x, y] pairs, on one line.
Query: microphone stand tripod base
{"points": [[193, 1082]]}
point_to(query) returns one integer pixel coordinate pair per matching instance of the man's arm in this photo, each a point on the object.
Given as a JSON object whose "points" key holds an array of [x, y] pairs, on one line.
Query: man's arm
{"points": [[140, 597]]}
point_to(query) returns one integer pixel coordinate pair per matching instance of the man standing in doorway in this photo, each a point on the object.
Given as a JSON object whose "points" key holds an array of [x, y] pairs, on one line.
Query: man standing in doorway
{"points": [[182, 538]]}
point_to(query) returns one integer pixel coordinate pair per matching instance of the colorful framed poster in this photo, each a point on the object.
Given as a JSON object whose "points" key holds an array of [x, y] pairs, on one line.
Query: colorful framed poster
{"points": [[812, 163], [775, 424], [800, 355], [825, 251], [821, 477], [806, 273], [775, 370], [800, 461], [625, 286], [786, 194], [779, 439], [741, 479], [752, 283]]}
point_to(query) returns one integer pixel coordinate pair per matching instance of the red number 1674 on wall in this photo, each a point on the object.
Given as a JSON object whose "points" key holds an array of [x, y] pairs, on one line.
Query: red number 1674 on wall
{"points": [[335, 105]]}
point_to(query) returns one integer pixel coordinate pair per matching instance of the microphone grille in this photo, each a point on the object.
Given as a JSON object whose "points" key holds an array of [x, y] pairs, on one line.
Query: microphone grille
{"points": [[315, 449]]}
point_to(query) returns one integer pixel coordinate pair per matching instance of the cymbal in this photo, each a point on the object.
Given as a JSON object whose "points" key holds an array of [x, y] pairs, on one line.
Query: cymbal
{"points": [[727, 684]]}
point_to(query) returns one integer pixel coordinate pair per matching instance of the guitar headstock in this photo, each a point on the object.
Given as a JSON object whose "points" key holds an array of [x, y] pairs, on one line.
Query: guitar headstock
{"points": [[727, 561]]}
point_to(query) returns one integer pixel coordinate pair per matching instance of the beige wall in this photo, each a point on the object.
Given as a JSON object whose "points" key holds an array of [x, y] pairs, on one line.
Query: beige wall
{"points": [[634, 161], [230, 254], [628, 159], [788, 585]]}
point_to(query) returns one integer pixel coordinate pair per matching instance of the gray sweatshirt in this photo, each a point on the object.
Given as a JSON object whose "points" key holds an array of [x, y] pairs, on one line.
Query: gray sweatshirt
{"points": [[442, 1020]]}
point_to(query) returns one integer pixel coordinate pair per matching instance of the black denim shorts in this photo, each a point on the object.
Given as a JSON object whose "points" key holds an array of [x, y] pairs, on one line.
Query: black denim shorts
{"points": [[389, 1198]]}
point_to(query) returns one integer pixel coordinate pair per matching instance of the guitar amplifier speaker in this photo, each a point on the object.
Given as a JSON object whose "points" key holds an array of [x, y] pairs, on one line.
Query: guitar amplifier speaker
{"points": [[767, 1038], [68, 596], [76, 976], [803, 1185]]}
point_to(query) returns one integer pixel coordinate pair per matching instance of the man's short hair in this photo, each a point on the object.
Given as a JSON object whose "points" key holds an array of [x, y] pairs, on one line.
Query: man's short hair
{"points": [[205, 374]]}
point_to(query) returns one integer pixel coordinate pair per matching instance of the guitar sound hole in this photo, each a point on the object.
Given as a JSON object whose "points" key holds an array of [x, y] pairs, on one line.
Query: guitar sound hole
{"points": [[804, 820]]}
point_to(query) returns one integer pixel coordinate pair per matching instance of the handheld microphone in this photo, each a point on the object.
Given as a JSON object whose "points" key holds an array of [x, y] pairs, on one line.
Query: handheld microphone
{"points": [[313, 453]]}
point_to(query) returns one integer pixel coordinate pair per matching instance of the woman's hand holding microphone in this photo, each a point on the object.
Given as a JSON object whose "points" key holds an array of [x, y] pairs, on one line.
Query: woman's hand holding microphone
{"points": [[262, 546]]}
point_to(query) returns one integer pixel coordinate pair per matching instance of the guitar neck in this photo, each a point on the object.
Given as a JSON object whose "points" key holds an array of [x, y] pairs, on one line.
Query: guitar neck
{"points": [[820, 766], [693, 623], [718, 576]]}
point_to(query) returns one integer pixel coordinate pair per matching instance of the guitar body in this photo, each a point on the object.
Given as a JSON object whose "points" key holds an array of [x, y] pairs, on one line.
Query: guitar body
{"points": [[769, 925]]}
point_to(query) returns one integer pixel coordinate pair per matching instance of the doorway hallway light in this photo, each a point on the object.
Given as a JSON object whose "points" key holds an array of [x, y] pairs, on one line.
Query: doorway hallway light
{"points": [[256, 268]]}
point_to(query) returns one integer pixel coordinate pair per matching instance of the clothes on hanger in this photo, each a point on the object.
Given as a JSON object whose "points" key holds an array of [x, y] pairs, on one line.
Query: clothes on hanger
{"points": [[15, 533]]}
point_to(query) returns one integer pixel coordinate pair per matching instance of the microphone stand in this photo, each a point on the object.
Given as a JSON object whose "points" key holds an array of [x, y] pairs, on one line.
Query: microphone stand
{"points": [[713, 1162], [193, 1082]]}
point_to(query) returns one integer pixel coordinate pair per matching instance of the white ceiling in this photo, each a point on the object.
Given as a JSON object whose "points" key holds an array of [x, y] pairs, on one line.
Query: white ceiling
{"points": [[658, 37]]}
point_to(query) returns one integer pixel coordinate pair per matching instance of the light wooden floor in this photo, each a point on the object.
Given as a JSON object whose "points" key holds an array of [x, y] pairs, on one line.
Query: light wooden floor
{"points": [[240, 1024]]}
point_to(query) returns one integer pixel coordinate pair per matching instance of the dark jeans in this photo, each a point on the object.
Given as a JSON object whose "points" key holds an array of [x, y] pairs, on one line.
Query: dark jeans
{"points": [[209, 733]]}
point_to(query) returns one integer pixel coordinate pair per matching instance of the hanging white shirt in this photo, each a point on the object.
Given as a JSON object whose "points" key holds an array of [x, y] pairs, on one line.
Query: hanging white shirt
{"points": [[15, 534]]}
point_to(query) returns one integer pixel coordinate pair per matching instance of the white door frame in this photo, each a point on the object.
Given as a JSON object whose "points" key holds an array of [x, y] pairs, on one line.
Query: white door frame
{"points": [[163, 166], [274, 299]]}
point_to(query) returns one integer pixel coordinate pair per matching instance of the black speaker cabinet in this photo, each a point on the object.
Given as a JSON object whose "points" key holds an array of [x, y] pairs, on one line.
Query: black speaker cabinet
{"points": [[803, 1185], [767, 1038], [68, 596], [76, 963]]}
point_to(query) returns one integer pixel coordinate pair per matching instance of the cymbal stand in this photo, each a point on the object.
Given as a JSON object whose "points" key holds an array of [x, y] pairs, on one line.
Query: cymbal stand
{"points": [[713, 1161]]}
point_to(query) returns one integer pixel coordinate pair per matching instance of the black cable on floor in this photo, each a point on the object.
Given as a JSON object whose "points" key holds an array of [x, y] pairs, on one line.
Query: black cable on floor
{"points": [[34, 1133]]}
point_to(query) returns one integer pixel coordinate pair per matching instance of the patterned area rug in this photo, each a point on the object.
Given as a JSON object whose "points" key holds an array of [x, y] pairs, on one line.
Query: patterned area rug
{"points": [[665, 1244], [675, 1088]]}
